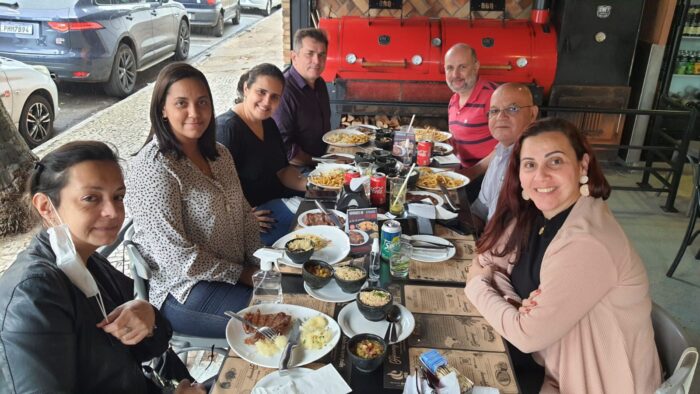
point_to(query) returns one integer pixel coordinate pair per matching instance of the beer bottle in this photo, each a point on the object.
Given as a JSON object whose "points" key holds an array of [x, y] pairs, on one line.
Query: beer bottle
{"points": [[681, 63]]}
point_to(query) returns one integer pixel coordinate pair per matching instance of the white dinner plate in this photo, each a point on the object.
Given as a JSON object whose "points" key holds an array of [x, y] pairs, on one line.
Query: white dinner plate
{"points": [[432, 255], [364, 235], [236, 336], [274, 380], [447, 149], [332, 292], [335, 156], [352, 323], [440, 136], [329, 135], [437, 198], [336, 251], [450, 174], [339, 214], [324, 169], [362, 127]]}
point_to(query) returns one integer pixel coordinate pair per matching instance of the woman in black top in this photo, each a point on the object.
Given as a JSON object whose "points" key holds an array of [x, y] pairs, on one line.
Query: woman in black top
{"points": [[252, 137]]}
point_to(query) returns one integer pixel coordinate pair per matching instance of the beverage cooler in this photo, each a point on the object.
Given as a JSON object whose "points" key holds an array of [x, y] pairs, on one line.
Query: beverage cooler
{"points": [[680, 73]]}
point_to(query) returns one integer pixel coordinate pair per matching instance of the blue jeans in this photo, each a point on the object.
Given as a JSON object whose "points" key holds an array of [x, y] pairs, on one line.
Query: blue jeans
{"points": [[202, 314], [282, 215]]}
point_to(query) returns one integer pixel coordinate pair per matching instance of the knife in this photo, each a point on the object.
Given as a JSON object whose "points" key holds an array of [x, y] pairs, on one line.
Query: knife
{"points": [[446, 193], [330, 214], [292, 342]]}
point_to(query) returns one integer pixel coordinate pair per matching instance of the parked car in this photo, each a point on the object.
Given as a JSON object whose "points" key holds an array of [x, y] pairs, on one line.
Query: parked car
{"points": [[106, 41], [211, 14], [30, 97], [261, 5]]}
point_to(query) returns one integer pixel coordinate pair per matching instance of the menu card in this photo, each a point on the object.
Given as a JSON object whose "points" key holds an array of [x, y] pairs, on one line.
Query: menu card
{"points": [[482, 368], [455, 332], [362, 229], [453, 271], [438, 300], [404, 146]]}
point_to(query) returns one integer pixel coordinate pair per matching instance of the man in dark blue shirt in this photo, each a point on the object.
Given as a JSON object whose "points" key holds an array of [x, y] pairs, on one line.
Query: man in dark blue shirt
{"points": [[304, 113]]}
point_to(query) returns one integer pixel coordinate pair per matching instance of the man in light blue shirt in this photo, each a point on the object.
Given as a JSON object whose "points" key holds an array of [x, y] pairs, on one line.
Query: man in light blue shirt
{"points": [[510, 111]]}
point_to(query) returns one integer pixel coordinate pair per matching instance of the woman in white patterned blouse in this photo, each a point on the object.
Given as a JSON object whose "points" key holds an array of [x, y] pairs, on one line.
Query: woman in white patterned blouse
{"points": [[193, 224]]}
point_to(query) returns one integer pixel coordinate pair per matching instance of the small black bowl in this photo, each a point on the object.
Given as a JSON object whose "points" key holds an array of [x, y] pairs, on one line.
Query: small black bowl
{"points": [[379, 153], [374, 313], [363, 157], [412, 178], [351, 286], [366, 364], [384, 133], [385, 143], [386, 165], [297, 256], [316, 282]]}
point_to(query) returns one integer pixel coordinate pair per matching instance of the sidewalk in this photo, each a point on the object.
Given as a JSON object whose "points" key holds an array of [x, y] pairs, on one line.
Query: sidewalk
{"points": [[126, 124]]}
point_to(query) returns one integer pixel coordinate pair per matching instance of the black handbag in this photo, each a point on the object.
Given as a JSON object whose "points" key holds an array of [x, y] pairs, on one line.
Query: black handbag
{"points": [[166, 372]]}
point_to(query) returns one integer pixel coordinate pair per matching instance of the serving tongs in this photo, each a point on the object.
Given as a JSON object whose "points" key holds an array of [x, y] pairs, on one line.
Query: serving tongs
{"points": [[446, 193], [421, 244], [330, 214]]}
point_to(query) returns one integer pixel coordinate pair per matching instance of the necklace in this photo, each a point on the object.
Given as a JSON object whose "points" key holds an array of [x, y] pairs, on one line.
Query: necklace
{"points": [[541, 231]]}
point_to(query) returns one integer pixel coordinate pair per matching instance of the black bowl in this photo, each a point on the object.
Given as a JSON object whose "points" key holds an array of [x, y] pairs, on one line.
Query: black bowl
{"points": [[316, 282], [384, 142], [386, 165], [374, 313], [380, 153], [297, 256], [366, 364], [351, 286], [363, 157], [412, 178], [384, 133]]}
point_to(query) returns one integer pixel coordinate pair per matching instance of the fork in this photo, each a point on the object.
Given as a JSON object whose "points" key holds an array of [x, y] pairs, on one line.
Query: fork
{"points": [[265, 331]]}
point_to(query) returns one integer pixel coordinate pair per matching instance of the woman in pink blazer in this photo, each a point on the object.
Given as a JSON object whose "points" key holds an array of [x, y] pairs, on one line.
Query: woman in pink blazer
{"points": [[557, 277]]}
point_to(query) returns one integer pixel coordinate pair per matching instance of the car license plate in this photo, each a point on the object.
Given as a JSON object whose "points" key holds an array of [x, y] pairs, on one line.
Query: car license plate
{"points": [[16, 28]]}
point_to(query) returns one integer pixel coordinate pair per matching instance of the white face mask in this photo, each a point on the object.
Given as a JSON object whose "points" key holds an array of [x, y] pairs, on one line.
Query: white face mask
{"points": [[70, 263]]}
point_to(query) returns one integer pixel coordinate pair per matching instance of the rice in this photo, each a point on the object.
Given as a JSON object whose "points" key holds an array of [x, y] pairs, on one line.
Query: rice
{"points": [[374, 297], [349, 273]]}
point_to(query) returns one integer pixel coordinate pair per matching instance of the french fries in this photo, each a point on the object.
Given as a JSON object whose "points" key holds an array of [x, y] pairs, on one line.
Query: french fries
{"points": [[430, 179]]}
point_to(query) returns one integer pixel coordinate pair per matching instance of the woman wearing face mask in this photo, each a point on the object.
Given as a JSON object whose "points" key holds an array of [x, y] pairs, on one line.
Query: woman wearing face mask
{"points": [[55, 337], [252, 137], [556, 275], [192, 222]]}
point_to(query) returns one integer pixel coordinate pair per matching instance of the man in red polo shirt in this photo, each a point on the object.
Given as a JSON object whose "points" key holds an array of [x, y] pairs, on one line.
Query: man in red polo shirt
{"points": [[467, 109]]}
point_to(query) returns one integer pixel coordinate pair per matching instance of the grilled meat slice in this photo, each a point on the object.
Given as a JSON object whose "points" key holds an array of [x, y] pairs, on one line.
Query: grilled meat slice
{"points": [[280, 322]]}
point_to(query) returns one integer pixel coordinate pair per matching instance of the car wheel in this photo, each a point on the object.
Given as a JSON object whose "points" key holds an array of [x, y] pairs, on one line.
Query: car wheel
{"points": [[218, 29], [268, 8], [122, 80], [36, 121], [183, 41], [237, 19]]}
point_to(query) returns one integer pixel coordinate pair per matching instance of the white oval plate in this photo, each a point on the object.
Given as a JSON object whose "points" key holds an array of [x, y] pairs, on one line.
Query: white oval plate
{"points": [[432, 255], [236, 336], [326, 167], [332, 292], [275, 381], [336, 251], [448, 149], [451, 174], [352, 323], [344, 131], [365, 237], [441, 136], [302, 216], [437, 198]]}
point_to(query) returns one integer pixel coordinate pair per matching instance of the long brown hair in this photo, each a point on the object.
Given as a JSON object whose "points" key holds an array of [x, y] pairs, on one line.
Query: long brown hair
{"points": [[511, 206]]}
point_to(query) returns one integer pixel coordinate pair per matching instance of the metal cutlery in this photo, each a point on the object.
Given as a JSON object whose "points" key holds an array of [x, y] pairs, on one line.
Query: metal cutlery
{"points": [[265, 331], [292, 342], [446, 193], [330, 214]]}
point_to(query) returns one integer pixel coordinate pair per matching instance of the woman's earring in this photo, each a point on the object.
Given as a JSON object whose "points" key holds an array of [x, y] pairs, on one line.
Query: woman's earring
{"points": [[524, 195], [584, 186]]}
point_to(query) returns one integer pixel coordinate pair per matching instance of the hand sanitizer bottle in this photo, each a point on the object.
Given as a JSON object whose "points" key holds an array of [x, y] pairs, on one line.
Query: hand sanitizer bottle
{"points": [[374, 262], [267, 284]]}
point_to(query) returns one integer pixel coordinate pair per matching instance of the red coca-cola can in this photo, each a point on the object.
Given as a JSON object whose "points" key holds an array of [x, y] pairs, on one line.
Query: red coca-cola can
{"points": [[377, 187], [349, 175], [425, 151]]}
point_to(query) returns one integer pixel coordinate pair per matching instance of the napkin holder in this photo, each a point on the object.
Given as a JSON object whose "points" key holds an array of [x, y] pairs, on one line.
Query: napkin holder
{"points": [[352, 198]]}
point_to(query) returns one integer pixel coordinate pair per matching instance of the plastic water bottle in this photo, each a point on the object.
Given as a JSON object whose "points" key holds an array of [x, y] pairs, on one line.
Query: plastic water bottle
{"points": [[375, 262], [267, 284]]}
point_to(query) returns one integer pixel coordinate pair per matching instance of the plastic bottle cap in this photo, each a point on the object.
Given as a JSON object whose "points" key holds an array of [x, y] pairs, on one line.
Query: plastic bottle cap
{"points": [[375, 246], [265, 265]]}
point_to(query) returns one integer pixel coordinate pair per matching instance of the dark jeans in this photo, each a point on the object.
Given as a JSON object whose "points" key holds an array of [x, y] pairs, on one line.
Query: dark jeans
{"points": [[282, 215], [202, 314]]}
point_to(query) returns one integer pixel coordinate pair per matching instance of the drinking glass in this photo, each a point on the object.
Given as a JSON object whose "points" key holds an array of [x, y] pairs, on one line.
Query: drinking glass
{"points": [[365, 169], [400, 260], [397, 196]]}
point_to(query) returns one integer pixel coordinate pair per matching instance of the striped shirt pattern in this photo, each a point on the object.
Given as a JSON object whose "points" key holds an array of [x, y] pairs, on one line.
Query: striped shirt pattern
{"points": [[470, 126]]}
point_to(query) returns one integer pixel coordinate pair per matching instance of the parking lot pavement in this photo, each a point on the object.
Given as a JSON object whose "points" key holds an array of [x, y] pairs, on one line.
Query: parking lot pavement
{"points": [[126, 125]]}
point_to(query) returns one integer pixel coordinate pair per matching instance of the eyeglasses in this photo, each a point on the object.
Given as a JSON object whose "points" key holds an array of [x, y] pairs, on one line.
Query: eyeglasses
{"points": [[510, 110]]}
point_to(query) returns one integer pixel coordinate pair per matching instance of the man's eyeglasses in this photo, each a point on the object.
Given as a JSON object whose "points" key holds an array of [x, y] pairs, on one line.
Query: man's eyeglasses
{"points": [[510, 110]]}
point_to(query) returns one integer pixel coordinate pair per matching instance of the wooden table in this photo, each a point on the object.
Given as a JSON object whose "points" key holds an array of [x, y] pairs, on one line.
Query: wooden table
{"points": [[448, 323]]}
